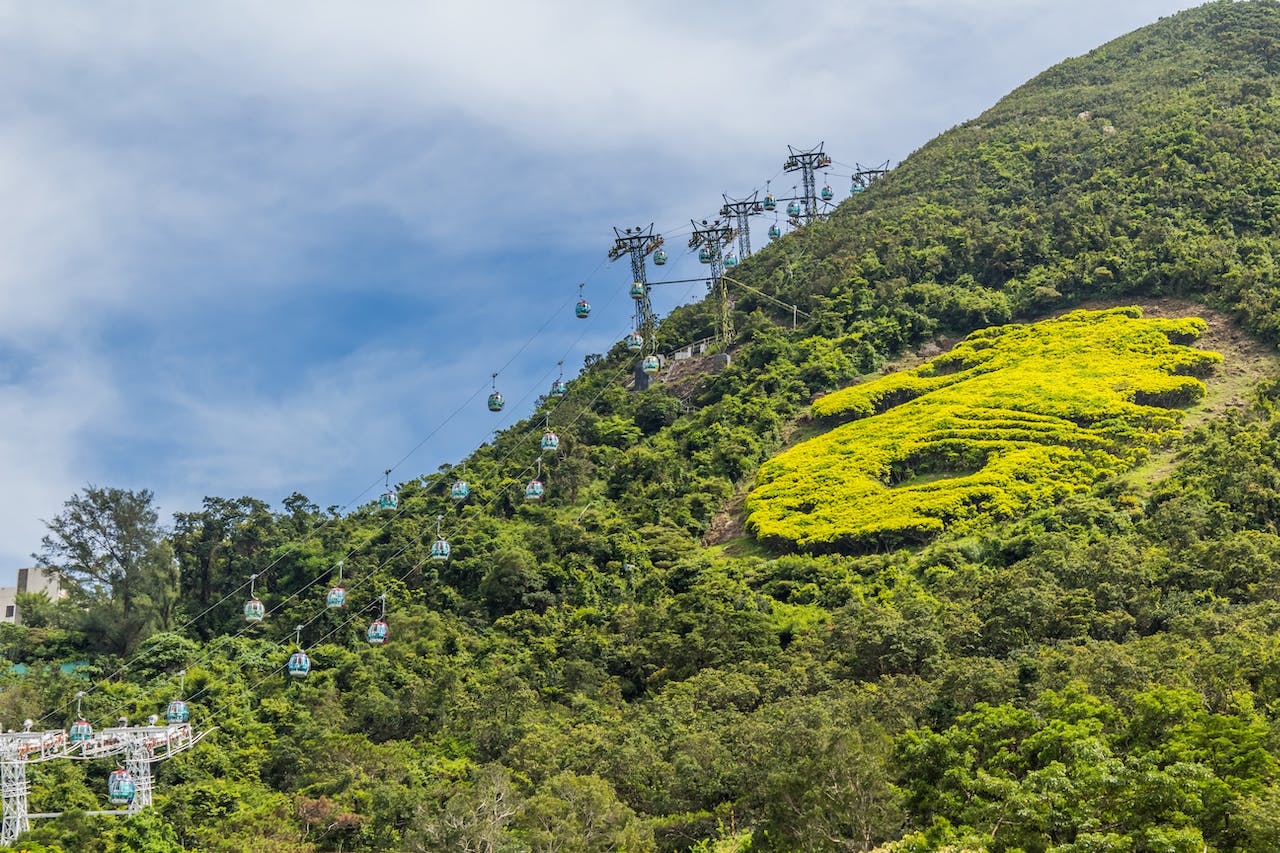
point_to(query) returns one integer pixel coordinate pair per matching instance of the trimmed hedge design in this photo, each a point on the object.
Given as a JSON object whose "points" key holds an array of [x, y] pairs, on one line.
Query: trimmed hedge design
{"points": [[1014, 418]]}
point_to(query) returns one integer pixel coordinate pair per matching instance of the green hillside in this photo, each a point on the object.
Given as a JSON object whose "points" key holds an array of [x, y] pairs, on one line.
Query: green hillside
{"points": [[1081, 655]]}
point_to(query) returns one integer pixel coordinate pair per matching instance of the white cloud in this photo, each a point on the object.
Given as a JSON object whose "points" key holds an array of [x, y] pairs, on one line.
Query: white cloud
{"points": [[46, 410]]}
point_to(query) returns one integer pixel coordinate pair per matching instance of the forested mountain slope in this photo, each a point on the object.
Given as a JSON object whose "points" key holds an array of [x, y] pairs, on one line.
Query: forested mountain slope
{"points": [[1097, 671]]}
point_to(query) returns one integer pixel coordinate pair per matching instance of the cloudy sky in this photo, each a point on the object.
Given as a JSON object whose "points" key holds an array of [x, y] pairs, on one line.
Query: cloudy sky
{"points": [[253, 248]]}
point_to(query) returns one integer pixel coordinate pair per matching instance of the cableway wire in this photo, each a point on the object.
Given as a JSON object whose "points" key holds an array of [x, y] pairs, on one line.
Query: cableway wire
{"points": [[317, 529], [357, 582]]}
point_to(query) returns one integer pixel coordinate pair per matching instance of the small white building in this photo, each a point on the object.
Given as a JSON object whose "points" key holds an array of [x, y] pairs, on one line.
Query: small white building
{"points": [[34, 579]]}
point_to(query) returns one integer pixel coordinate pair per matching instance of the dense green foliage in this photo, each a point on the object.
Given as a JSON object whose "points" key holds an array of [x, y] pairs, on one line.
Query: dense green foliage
{"points": [[1101, 673], [1012, 419]]}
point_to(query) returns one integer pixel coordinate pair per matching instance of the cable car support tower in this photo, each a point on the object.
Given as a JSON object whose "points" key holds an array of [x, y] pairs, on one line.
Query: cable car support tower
{"points": [[638, 243], [807, 162], [741, 209], [711, 238]]}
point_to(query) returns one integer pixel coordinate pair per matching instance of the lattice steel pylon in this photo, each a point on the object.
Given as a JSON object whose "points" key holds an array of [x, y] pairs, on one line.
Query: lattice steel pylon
{"points": [[17, 750], [13, 792], [714, 236], [638, 243], [864, 175], [741, 209], [807, 162]]}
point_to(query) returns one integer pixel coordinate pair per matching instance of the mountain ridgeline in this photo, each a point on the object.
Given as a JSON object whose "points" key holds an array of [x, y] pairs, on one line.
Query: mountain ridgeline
{"points": [[1088, 662]]}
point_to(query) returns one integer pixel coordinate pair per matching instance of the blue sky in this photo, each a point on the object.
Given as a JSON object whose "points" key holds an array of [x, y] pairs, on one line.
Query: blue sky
{"points": [[258, 248]]}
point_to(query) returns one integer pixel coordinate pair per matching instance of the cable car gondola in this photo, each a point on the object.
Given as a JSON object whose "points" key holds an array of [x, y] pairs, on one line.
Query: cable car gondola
{"points": [[550, 441], [254, 610], [495, 398], [793, 209], [178, 712], [535, 490], [120, 787], [635, 341], [299, 664], [651, 364], [337, 595], [81, 729], [775, 230], [827, 193], [440, 547], [378, 628], [731, 260], [704, 255], [559, 388], [460, 490], [660, 257], [637, 290], [388, 499], [582, 310]]}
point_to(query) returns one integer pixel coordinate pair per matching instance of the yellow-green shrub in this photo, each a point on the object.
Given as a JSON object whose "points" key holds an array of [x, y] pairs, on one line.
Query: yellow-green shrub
{"points": [[1013, 418]]}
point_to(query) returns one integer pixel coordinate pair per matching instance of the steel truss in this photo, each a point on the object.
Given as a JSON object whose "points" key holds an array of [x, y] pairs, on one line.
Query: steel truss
{"points": [[141, 746]]}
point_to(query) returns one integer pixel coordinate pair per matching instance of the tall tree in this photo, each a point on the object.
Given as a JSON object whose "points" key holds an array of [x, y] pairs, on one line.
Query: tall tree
{"points": [[109, 547]]}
